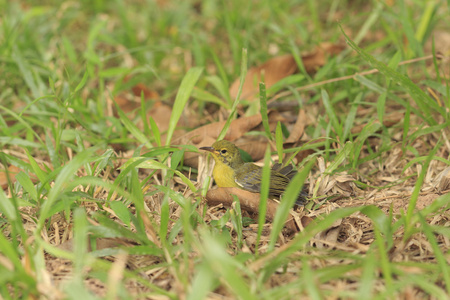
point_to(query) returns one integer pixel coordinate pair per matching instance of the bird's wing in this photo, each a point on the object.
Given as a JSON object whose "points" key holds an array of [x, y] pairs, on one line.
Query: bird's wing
{"points": [[289, 171], [249, 177]]}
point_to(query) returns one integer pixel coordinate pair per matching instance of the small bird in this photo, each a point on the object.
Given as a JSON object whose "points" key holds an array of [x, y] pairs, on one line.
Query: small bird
{"points": [[230, 170]]}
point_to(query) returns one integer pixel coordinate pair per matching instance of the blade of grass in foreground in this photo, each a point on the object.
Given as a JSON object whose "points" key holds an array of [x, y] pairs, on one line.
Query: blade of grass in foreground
{"points": [[287, 202], [228, 268], [415, 194], [263, 196], [440, 258], [66, 174]]}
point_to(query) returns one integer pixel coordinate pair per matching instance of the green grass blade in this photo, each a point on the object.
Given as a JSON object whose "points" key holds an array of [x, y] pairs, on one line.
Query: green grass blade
{"points": [[65, 175], [279, 142], [133, 129], [224, 130], [440, 257], [287, 202], [423, 101], [415, 194], [185, 90], [331, 113], [263, 104], [265, 183]]}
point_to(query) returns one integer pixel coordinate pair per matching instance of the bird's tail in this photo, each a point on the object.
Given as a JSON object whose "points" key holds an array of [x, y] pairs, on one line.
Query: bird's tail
{"points": [[302, 198]]}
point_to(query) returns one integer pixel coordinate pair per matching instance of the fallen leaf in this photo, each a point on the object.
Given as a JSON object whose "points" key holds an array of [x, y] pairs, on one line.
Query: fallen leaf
{"points": [[255, 148], [11, 173], [206, 135], [280, 67], [125, 104], [237, 129], [299, 128], [313, 61], [272, 71], [329, 235], [161, 113], [140, 88]]}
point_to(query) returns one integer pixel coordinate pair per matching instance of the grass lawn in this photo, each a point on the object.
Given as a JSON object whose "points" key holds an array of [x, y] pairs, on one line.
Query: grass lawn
{"points": [[105, 194]]}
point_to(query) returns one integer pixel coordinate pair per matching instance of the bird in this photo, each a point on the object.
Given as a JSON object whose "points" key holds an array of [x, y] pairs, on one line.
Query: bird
{"points": [[230, 170]]}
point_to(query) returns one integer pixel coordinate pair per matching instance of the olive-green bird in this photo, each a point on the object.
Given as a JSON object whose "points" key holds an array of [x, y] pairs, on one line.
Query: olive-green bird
{"points": [[231, 171]]}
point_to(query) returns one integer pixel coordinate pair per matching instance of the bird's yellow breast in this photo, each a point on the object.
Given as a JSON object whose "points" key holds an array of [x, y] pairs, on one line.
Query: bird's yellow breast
{"points": [[224, 175]]}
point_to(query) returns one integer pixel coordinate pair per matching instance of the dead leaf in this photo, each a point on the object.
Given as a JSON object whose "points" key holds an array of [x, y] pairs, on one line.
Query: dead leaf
{"points": [[125, 104], [272, 71], [161, 113], [148, 93], [12, 172], [442, 180], [237, 129], [280, 67], [249, 201], [330, 235], [255, 148], [313, 61], [299, 128], [206, 135], [129, 102]]}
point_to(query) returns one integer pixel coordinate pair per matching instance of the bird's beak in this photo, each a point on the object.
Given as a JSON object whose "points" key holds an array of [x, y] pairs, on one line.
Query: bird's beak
{"points": [[209, 149]]}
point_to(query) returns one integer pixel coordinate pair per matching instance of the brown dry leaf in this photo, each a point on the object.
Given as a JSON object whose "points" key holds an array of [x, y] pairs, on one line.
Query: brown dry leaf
{"points": [[207, 135], [161, 113], [129, 102], [125, 104], [272, 71], [299, 128], [442, 180], [12, 172], [148, 93], [328, 236], [344, 185], [280, 67], [255, 148], [249, 201], [317, 59], [237, 129]]}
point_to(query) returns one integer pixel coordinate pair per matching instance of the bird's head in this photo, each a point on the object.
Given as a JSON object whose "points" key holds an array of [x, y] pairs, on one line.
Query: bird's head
{"points": [[225, 152]]}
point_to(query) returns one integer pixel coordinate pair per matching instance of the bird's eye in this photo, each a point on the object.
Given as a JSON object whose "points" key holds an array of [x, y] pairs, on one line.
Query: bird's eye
{"points": [[223, 151]]}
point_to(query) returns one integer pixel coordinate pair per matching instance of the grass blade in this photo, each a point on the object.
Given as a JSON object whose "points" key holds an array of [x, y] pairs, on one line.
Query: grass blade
{"points": [[423, 101], [236, 101], [263, 104], [185, 90]]}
